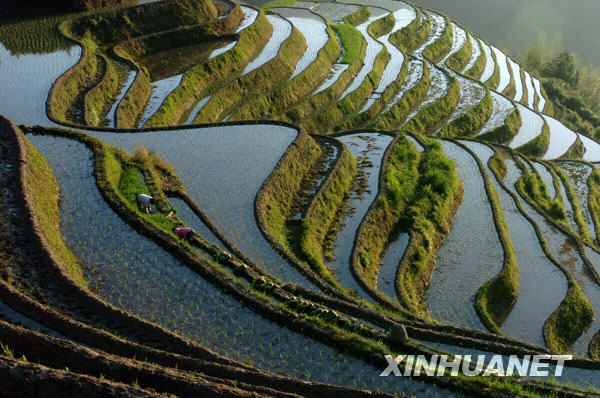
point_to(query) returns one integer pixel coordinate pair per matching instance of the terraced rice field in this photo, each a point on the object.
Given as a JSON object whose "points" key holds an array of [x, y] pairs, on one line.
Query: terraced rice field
{"points": [[160, 90], [313, 28], [282, 29], [561, 138], [402, 17], [531, 127], [502, 65], [475, 53], [490, 65], [373, 48], [320, 245], [502, 107]]}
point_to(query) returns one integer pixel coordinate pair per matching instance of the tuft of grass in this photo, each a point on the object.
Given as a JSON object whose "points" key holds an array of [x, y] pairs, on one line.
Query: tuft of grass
{"points": [[564, 326], [351, 40], [497, 164]]}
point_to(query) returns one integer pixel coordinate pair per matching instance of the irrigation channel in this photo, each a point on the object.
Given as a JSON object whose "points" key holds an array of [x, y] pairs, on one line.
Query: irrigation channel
{"points": [[135, 274]]}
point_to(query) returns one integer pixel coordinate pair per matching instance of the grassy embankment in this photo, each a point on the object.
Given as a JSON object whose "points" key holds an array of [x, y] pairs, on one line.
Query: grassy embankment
{"points": [[43, 190], [436, 195], [96, 101], [532, 186], [319, 221], [303, 112], [258, 82], [495, 298], [299, 88], [206, 78], [278, 197], [472, 121], [391, 209], [477, 69], [459, 60], [436, 51], [497, 165], [276, 101], [362, 119], [507, 131], [351, 39], [68, 90], [434, 115]]}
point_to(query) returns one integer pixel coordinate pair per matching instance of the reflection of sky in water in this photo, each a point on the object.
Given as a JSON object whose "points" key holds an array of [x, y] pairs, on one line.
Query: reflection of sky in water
{"points": [[25, 81]]}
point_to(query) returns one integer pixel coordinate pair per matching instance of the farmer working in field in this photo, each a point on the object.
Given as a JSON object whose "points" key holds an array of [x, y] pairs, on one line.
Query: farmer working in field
{"points": [[183, 232], [146, 201]]}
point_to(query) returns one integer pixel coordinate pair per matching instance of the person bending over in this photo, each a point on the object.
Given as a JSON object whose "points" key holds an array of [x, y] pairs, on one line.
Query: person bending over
{"points": [[145, 201], [184, 233]]}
